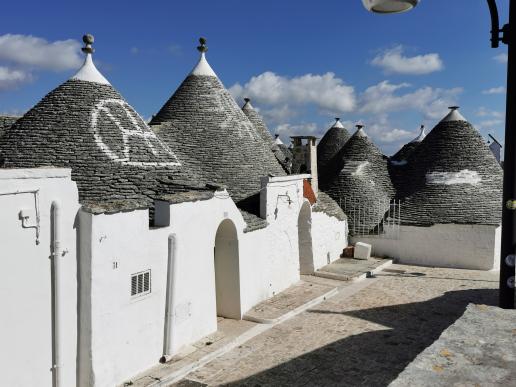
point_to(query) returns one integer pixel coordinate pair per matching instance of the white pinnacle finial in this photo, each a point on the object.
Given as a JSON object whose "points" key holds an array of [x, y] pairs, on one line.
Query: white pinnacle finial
{"points": [[337, 123], [421, 136], [360, 131], [203, 67], [454, 115], [88, 72]]}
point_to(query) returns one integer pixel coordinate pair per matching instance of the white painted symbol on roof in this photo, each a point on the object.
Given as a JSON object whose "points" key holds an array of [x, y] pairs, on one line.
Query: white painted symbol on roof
{"points": [[240, 124], [137, 131]]}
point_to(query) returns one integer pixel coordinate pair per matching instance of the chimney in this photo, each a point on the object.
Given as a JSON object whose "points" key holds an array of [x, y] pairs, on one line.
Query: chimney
{"points": [[304, 154]]}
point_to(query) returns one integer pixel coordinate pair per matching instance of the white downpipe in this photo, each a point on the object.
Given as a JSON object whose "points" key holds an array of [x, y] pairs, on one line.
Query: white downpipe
{"points": [[56, 275], [168, 341]]}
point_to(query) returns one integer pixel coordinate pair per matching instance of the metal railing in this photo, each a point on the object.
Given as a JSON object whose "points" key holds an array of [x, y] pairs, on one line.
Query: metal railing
{"points": [[381, 219]]}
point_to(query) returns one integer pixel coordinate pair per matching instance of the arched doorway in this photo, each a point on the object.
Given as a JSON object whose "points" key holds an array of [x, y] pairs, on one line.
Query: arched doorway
{"points": [[227, 275], [304, 230]]}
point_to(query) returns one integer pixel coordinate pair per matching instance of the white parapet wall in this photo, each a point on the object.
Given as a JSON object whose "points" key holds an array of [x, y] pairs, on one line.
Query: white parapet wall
{"points": [[121, 334], [464, 246], [214, 257], [27, 321], [330, 237]]}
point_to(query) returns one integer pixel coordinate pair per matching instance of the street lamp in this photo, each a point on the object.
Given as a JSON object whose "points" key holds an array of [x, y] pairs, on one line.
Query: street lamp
{"points": [[389, 6], [508, 248]]}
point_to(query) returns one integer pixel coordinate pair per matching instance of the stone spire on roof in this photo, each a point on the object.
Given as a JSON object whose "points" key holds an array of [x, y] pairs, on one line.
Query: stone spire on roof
{"points": [[88, 72], [421, 136], [453, 115], [203, 67], [337, 123], [360, 131], [277, 140]]}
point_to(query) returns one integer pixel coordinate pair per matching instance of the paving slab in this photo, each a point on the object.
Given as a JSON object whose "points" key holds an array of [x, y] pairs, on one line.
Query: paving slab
{"points": [[228, 331], [365, 335], [479, 349], [350, 269], [299, 295]]}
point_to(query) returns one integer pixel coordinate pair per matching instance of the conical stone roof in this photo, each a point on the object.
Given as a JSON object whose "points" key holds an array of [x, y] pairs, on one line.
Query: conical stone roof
{"points": [[452, 177], [328, 147], [6, 122], [331, 143], [406, 150], [358, 177], [86, 125], [204, 118], [264, 133]]}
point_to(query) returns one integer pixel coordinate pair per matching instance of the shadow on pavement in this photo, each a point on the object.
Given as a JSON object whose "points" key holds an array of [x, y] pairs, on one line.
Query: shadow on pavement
{"points": [[374, 358]]}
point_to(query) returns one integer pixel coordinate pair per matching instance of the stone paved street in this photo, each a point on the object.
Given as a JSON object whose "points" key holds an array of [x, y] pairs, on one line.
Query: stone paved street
{"points": [[366, 339]]}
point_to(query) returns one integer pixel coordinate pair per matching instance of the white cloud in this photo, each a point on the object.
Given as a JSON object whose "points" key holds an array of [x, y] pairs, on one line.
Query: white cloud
{"points": [[37, 53], [134, 50], [10, 78], [393, 61], [489, 124], [495, 90], [304, 129], [483, 112], [381, 130], [383, 98], [501, 58], [326, 91]]}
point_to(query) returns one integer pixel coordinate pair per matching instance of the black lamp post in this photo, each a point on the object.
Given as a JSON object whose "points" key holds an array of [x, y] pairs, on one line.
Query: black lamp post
{"points": [[508, 36]]}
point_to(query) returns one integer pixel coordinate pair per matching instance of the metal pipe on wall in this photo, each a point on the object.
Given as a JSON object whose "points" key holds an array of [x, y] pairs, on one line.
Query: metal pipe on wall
{"points": [[168, 341], [56, 292]]}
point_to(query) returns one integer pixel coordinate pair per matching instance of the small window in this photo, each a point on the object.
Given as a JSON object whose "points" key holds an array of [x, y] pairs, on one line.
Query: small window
{"points": [[140, 283]]}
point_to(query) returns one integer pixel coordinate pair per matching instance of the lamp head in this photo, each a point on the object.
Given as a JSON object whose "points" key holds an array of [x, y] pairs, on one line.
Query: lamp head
{"points": [[389, 6]]}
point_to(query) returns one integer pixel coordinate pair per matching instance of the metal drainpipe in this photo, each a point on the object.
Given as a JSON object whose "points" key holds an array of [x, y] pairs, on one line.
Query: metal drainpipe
{"points": [[56, 277], [170, 299]]}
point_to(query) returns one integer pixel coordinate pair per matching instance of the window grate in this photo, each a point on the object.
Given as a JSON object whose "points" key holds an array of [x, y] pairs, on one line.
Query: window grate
{"points": [[140, 283]]}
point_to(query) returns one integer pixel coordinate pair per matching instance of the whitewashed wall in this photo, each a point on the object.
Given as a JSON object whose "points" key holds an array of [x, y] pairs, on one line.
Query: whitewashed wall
{"points": [[122, 336], [25, 289], [444, 245], [127, 332], [329, 236]]}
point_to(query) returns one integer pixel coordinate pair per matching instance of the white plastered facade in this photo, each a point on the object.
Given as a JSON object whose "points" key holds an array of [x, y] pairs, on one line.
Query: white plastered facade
{"points": [[463, 246], [121, 335], [26, 287]]}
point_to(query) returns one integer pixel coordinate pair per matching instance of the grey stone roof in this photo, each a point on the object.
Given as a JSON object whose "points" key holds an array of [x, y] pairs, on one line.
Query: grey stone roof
{"points": [[358, 177], [329, 206], [116, 160], [6, 122], [265, 134], [287, 152], [405, 151], [451, 177], [329, 145], [204, 118], [253, 221]]}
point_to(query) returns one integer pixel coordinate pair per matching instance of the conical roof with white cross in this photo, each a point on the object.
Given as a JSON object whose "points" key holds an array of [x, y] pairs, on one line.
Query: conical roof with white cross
{"points": [[205, 120], [86, 125]]}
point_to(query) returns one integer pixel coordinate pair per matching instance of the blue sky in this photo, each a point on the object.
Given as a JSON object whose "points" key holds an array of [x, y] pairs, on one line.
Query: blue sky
{"points": [[301, 62]]}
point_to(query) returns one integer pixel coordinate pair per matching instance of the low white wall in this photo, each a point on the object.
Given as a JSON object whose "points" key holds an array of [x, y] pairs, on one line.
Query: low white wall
{"points": [[25, 289], [121, 335], [127, 332], [329, 238], [443, 245]]}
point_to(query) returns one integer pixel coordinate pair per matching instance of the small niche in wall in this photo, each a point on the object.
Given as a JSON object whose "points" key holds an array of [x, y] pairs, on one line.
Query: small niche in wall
{"points": [[161, 214]]}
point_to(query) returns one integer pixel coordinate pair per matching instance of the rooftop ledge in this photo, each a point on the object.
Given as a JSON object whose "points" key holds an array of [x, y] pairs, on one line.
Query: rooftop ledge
{"points": [[35, 173], [279, 179]]}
